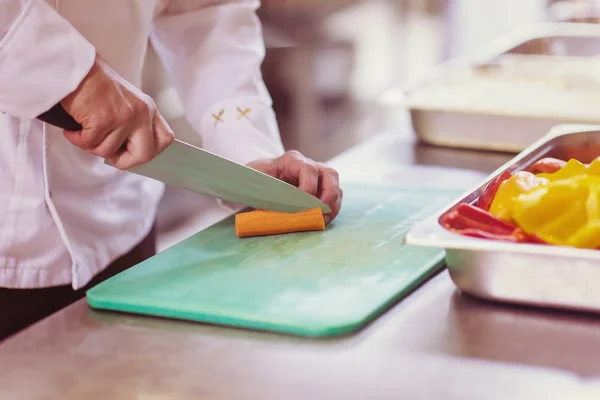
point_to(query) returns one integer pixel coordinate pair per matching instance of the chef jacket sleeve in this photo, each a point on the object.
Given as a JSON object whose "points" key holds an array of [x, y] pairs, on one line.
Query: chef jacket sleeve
{"points": [[212, 51], [43, 57]]}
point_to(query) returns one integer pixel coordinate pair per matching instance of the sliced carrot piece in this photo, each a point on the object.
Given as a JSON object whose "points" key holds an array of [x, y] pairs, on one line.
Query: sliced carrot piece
{"points": [[263, 222]]}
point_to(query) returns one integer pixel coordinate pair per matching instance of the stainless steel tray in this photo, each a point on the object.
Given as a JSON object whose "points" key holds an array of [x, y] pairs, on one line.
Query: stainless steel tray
{"points": [[538, 275], [457, 106]]}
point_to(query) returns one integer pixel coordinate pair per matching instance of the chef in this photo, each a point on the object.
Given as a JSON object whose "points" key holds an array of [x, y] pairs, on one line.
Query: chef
{"points": [[67, 220]]}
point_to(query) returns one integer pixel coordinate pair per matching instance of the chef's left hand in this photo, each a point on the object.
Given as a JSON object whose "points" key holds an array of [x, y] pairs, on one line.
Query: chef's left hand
{"points": [[312, 177]]}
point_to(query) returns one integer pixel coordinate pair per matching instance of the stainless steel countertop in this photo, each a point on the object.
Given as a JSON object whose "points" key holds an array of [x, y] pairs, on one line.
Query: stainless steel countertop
{"points": [[436, 343]]}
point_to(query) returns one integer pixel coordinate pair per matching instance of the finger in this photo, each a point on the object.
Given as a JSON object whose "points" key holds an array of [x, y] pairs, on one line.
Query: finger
{"points": [[87, 138], [299, 171], [308, 178], [95, 129], [163, 134], [139, 149], [336, 207], [144, 145], [330, 192], [113, 143]]}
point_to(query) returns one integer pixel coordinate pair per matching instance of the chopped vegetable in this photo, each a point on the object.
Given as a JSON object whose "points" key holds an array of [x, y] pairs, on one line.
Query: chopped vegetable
{"points": [[594, 167], [547, 165], [522, 182], [587, 237], [472, 221], [571, 169], [551, 165], [469, 220], [485, 200], [263, 222], [466, 216], [486, 235], [564, 212]]}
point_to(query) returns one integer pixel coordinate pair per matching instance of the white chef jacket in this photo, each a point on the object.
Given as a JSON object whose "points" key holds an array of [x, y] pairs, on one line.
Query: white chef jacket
{"points": [[65, 215]]}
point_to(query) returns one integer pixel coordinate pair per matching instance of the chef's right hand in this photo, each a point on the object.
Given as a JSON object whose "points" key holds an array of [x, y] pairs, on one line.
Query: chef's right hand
{"points": [[120, 122]]}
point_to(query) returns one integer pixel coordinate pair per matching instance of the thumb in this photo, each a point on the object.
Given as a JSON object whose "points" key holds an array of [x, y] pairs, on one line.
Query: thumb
{"points": [[163, 134]]}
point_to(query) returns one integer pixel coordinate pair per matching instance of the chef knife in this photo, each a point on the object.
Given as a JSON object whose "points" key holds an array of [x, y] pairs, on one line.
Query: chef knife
{"points": [[198, 170]]}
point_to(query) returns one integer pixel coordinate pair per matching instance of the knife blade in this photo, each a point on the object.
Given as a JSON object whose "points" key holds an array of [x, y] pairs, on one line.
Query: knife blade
{"points": [[192, 168], [196, 169]]}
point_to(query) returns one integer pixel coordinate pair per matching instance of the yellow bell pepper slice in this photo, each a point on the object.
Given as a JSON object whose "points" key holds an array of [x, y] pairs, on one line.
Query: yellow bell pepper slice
{"points": [[594, 168], [504, 201], [561, 229], [545, 210], [593, 203], [571, 169], [560, 208], [587, 237]]}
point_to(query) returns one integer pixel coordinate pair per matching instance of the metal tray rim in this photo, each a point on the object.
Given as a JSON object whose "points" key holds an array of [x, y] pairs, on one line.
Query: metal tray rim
{"points": [[496, 48], [499, 113]]}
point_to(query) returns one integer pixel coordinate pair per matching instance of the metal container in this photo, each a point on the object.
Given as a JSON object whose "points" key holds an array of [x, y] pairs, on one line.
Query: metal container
{"points": [[537, 275], [513, 93]]}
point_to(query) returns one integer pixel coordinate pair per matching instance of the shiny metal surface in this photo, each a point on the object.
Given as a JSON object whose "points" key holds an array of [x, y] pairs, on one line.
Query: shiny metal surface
{"points": [[502, 119], [190, 167], [547, 276], [435, 344]]}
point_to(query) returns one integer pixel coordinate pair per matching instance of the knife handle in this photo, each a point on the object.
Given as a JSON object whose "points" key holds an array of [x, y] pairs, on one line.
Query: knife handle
{"points": [[60, 118]]}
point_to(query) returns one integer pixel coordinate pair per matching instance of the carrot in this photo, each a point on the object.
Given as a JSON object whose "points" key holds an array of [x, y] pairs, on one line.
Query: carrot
{"points": [[263, 222]]}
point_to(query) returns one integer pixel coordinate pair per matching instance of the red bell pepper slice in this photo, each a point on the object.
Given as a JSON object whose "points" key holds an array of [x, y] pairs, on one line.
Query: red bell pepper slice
{"points": [[466, 216], [468, 220], [487, 197]]}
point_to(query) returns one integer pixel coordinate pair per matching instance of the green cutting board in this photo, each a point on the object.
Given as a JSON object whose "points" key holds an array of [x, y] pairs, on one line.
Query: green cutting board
{"points": [[313, 284]]}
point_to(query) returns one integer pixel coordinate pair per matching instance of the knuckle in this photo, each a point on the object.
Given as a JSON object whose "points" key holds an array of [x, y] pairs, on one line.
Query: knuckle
{"points": [[332, 172], [150, 103], [141, 106], [293, 154], [145, 98], [170, 138], [312, 168], [336, 196]]}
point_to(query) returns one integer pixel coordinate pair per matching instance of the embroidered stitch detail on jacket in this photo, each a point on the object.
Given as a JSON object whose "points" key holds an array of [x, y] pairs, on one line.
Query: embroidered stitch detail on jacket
{"points": [[243, 113], [218, 118]]}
